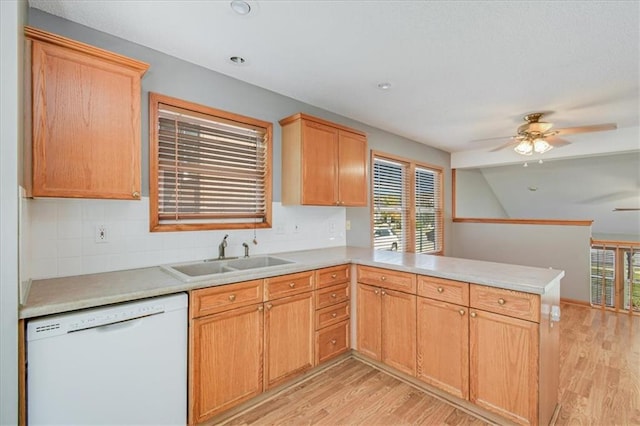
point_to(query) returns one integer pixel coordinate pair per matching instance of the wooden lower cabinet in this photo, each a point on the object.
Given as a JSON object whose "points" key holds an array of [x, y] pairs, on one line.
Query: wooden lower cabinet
{"points": [[289, 337], [504, 365], [387, 327], [225, 361], [443, 346]]}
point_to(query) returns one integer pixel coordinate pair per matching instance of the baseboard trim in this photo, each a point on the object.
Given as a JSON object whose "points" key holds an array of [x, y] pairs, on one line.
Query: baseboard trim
{"points": [[575, 302]]}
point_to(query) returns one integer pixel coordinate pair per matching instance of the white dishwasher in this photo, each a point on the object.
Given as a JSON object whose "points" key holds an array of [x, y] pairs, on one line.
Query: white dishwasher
{"points": [[123, 364]]}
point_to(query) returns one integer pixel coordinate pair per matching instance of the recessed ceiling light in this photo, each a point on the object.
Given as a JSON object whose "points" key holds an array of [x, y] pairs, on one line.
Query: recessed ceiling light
{"points": [[238, 60], [384, 85], [240, 7], [533, 188]]}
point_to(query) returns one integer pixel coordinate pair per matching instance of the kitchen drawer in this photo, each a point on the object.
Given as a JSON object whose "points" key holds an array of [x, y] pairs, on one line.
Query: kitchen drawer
{"points": [[506, 302], [332, 314], [387, 278], [331, 276], [222, 298], [287, 285], [444, 290], [332, 341], [332, 295]]}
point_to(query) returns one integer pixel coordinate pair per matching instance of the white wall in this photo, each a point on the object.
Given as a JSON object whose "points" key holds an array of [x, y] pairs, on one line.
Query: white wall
{"points": [[475, 197], [62, 236], [12, 16], [546, 246]]}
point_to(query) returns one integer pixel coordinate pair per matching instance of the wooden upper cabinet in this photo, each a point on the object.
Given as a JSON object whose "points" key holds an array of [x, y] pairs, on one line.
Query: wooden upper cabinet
{"points": [[83, 104], [323, 164]]}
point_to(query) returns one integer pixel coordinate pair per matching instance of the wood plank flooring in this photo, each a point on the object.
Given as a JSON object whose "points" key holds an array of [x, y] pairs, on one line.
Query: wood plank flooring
{"points": [[599, 385]]}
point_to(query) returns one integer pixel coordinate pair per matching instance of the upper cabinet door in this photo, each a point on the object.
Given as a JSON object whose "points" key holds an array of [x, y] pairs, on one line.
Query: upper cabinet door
{"points": [[319, 166], [85, 115], [352, 173]]}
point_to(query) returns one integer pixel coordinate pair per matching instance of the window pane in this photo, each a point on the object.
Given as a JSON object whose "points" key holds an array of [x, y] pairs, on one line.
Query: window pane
{"points": [[389, 205], [602, 276], [631, 280], [428, 210]]}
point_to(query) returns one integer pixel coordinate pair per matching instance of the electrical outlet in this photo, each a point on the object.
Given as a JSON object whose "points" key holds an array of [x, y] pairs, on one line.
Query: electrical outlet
{"points": [[279, 230], [101, 234], [348, 225]]}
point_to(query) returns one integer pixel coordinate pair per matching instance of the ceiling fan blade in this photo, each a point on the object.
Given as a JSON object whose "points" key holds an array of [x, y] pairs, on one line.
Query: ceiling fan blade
{"points": [[626, 209], [587, 129], [491, 139], [511, 142], [557, 142]]}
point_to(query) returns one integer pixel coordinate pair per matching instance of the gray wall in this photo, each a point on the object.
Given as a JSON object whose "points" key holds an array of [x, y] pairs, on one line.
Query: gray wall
{"points": [[546, 246], [174, 77], [474, 196], [12, 17]]}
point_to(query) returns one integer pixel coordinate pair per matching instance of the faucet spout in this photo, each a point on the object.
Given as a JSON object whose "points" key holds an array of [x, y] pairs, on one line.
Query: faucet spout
{"points": [[246, 249], [222, 246]]}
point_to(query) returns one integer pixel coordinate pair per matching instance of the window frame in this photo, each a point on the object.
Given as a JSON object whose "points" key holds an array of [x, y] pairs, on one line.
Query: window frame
{"points": [[623, 255], [410, 166], [155, 225]]}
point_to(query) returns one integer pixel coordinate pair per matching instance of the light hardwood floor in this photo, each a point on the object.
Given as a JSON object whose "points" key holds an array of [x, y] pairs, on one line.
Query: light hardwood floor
{"points": [[599, 385]]}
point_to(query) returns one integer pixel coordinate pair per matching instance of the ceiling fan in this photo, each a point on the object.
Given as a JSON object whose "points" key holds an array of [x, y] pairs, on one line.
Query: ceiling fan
{"points": [[537, 136]]}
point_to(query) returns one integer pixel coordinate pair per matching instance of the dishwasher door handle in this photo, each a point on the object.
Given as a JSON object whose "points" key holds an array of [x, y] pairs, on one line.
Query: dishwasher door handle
{"points": [[129, 322]]}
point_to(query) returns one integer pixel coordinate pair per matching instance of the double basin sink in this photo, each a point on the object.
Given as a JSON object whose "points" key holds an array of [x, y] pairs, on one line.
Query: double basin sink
{"points": [[204, 269]]}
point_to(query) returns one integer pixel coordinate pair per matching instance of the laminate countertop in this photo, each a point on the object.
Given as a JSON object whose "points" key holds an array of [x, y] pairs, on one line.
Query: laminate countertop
{"points": [[57, 295]]}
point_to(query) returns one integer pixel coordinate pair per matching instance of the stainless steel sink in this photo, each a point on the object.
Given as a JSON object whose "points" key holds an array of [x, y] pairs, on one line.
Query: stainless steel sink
{"points": [[202, 270], [257, 262]]}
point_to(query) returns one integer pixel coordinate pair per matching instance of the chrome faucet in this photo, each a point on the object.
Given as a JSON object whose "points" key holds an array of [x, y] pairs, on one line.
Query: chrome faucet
{"points": [[222, 246], [246, 249]]}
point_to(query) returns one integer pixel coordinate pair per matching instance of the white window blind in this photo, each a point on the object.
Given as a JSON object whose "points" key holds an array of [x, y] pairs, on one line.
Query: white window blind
{"points": [[428, 210], [210, 169], [390, 204], [603, 273]]}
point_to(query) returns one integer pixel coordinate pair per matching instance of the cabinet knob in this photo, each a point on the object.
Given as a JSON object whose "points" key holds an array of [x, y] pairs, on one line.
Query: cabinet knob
{"points": [[473, 314], [440, 289], [232, 297], [334, 341], [269, 306], [260, 308], [334, 295], [501, 301], [375, 291], [135, 194], [333, 315], [292, 285], [383, 278], [383, 292], [334, 275], [461, 311]]}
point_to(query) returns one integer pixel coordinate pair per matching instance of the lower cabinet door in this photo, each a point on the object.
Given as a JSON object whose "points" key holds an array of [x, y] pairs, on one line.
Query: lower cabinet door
{"points": [[332, 341], [443, 346], [289, 337], [504, 365], [225, 361], [399, 330], [369, 315]]}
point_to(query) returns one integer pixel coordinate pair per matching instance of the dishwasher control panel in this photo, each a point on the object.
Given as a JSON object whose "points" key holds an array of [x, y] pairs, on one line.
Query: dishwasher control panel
{"points": [[56, 325]]}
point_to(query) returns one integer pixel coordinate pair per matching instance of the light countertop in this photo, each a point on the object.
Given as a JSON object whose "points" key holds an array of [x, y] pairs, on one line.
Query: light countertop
{"points": [[56, 295]]}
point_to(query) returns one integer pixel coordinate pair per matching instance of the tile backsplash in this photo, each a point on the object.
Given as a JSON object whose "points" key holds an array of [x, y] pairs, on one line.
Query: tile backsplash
{"points": [[60, 236]]}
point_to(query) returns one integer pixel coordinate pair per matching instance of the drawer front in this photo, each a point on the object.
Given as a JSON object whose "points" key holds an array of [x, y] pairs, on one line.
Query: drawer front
{"points": [[331, 276], [394, 280], [332, 295], [444, 290], [222, 298], [505, 302], [332, 315], [287, 285], [332, 341]]}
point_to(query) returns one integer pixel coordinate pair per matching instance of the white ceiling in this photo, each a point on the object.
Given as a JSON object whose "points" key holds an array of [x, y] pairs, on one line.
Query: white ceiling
{"points": [[459, 71]]}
